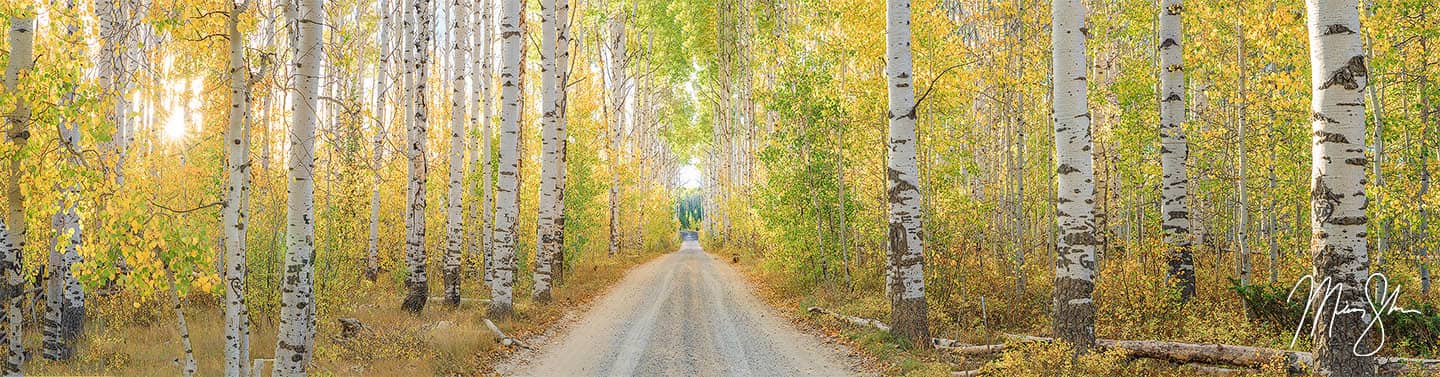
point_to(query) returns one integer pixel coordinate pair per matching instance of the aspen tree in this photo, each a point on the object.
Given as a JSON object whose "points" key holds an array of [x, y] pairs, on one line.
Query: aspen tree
{"points": [[1338, 77], [481, 57], [512, 28], [1074, 308], [295, 336], [550, 220], [1174, 150], [907, 257], [235, 214], [21, 41], [454, 227], [416, 284], [377, 153]]}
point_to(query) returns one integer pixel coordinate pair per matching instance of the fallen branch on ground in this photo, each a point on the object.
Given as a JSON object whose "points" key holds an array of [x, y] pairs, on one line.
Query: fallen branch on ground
{"points": [[462, 299], [853, 320], [942, 342], [971, 350], [1218, 371], [1193, 354], [501, 338]]}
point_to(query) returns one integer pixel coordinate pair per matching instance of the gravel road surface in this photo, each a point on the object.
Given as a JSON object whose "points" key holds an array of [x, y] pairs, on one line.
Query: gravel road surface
{"points": [[684, 314]]}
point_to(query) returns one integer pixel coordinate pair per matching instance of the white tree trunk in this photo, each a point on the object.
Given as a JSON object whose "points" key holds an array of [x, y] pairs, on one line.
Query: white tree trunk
{"points": [[1243, 226], [482, 81], [21, 38], [512, 28], [1075, 178], [550, 222], [907, 245], [64, 296], [235, 211], [454, 225], [10, 297], [1337, 191], [475, 233], [116, 32], [1174, 150], [188, 367], [616, 47], [562, 74], [416, 284], [295, 336], [1424, 229], [377, 153]]}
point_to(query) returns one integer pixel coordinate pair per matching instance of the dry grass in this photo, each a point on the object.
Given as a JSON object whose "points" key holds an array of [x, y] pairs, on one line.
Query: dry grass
{"points": [[1132, 313], [126, 340]]}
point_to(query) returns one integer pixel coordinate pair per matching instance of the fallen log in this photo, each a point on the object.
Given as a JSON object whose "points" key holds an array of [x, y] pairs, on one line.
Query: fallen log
{"points": [[1221, 354], [973, 350], [503, 339], [1218, 371], [942, 342], [966, 373], [1194, 354], [865, 322]]}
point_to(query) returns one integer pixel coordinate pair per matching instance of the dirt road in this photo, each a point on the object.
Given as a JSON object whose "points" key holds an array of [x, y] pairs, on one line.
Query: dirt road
{"points": [[684, 314]]}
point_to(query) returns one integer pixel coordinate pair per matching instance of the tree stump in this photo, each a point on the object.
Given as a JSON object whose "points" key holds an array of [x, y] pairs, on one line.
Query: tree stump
{"points": [[350, 328]]}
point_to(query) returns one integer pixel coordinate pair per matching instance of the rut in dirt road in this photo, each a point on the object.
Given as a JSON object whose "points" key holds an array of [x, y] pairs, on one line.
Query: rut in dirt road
{"points": [[685, 314]]}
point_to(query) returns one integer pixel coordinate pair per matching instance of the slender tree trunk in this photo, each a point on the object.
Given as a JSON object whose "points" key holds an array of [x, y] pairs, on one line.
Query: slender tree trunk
{"points": [[562, 72], [481, 81], [12, 298], [1242, 227], [1427, 121], [1337, 190], [512, 28], [1377, 110], [454, 226], [616, 47], [474, 234], [235, 211], [64, 296], [907, 257], [21, 41], [840, 197], [295, 335], [1174, 151], [115, 27], [550, 225], [416, 283], [1272, 223], [188, 366], [377, 153], [270, 92], [1074, 313]]}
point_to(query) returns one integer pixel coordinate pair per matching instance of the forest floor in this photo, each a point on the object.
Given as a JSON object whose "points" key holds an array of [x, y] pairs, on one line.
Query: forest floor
{"points": [[125, 339], [685, 314], [883, 353]]}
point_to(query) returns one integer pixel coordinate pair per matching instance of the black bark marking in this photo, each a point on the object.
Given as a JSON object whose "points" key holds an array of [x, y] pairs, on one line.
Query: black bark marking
{"points": [[1337, 29], [1358, 220], [1330, 137], [1346, 75], [899, 186]]}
